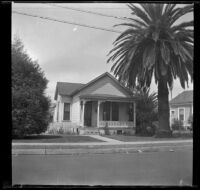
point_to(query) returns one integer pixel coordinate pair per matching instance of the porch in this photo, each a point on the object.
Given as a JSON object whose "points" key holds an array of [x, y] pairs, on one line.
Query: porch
{"points": [[114, 112]]}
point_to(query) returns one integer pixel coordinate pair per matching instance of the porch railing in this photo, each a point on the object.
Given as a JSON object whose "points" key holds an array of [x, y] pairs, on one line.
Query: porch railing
{"points": [[124, 124]]}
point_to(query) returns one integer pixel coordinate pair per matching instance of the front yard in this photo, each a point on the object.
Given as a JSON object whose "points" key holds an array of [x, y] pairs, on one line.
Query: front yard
{"points": [[56, 139], [82, 139], [126, 138]]}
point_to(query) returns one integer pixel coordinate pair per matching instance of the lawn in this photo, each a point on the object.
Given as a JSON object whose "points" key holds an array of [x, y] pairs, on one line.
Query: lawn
{"points": [[126, 138], [56, 139]]}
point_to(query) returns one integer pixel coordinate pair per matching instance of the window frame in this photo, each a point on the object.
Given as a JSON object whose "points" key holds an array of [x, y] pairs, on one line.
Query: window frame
{"points": [[172, 110], [183, 113], [107, 111], [115, 103], [68, 111]]}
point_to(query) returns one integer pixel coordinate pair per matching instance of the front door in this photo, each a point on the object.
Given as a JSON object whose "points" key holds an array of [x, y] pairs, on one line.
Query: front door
{"points": [[88, 114]]}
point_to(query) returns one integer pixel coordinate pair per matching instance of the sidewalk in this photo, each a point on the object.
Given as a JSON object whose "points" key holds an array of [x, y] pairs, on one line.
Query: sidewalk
{"points": [[105, 139], [99, 147]]}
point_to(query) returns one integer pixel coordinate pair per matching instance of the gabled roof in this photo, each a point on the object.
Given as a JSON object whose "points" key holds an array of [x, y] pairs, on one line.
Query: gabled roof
{"points": [[70, 89], [98, 78], [66, 88], [105, 97], [183, 98]]}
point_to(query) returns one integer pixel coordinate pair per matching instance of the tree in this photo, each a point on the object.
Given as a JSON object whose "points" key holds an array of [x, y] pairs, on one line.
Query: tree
{"points": [[30, 106], [155, 45]]}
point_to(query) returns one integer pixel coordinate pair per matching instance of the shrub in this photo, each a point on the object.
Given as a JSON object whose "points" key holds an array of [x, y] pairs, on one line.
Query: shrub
{"points": [[190, 121], [129, 132], [146, 129], [146, 111], [177, 125], [106, 129]]}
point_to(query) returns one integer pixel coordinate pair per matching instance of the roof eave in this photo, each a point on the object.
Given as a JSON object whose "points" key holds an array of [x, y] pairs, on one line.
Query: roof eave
{"points": [[97, 78], [182, 103]]}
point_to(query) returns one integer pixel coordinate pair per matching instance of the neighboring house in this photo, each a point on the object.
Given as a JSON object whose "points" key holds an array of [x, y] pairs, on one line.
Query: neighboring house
{"points": [[181, 107], [92, 105]]}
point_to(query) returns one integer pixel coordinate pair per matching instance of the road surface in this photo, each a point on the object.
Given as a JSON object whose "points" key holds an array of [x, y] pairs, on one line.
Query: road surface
{"points": [[146, 168]]}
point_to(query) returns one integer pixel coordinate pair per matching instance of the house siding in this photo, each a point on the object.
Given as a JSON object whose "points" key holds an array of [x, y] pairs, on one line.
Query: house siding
{"points": [[188, 112], [104, 86], [58, 109], [76, 110]]}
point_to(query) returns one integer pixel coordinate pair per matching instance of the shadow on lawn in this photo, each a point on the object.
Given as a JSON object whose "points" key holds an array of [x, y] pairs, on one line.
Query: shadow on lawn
{"points": [[33, 137]]}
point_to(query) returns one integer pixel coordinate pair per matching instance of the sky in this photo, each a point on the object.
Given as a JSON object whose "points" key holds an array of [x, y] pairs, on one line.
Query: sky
{"points": [[71, 53]]}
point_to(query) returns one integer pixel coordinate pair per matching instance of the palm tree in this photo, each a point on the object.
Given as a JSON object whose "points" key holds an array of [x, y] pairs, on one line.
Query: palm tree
{"points": [[155, 45]]}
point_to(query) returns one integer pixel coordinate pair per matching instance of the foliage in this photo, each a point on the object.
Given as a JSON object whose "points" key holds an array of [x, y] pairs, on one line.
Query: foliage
{"points": [[155, 44], [30, 107], [146, 111], [177, 125], [190, 121], [106, 129]]}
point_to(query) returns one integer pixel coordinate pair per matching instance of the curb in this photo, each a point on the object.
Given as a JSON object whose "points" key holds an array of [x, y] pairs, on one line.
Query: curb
{"points": [[127, 150], [97, 146]]}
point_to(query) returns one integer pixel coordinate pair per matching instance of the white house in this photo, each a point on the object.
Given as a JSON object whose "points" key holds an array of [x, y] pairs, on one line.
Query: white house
{"points": [[92, 105], [181, 107]]}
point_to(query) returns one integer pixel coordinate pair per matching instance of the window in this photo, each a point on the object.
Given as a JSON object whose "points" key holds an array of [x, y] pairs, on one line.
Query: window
{"points": [[181, 114], [130, 112], [106, 111], [66, 115], [172, 113], [115, 111]]}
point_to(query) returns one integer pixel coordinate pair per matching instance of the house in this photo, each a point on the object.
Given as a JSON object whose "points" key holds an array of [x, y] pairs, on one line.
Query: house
{"points": [[92, 106], [51, 111], [181, 107]]}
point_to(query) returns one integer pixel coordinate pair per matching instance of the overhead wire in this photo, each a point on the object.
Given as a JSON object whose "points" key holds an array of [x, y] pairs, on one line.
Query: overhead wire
{"points": [[100, 14], [89, 12], [78, 24], [67, 22]]}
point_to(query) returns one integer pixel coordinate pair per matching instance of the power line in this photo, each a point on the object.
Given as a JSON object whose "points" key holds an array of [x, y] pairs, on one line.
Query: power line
{"points": [[66, 22], [90, 12], [83, 25]]}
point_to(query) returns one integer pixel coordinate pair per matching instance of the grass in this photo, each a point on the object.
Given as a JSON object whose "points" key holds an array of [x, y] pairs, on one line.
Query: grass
{"points": [[55, 139], [126, 138]]}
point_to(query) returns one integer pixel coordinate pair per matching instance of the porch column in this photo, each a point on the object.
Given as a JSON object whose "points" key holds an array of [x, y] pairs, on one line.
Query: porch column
{"points": [[110, 111], [98, 109], [134, 113], [83, 113]]}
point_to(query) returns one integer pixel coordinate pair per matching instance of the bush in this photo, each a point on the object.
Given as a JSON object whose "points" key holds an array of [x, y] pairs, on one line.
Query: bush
{"points": [[177, 125], [106, 129], [146, 129], [129, 132], [146, 112], [190, 121], [30, 108]]}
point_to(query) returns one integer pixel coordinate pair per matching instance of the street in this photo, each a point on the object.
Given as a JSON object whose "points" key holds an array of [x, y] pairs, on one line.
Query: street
{"points": [[146, 168]]}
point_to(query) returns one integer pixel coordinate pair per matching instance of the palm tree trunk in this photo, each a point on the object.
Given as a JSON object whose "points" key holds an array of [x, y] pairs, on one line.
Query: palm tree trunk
{"points": [[163, 109]]}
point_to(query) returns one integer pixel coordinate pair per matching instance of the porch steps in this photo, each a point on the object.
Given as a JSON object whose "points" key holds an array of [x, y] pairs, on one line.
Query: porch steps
{"points": [[89, 131]]}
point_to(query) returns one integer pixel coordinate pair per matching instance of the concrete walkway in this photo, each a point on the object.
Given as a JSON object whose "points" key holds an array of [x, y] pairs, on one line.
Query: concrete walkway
{"points": [[109, 140]]}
